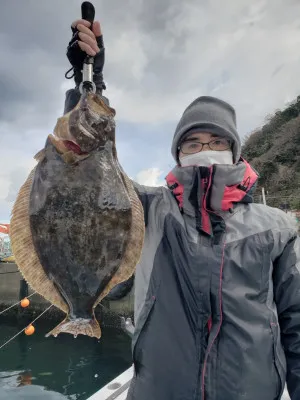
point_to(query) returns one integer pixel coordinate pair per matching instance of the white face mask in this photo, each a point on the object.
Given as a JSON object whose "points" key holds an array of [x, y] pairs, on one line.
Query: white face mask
{"points": [[207, 158]]}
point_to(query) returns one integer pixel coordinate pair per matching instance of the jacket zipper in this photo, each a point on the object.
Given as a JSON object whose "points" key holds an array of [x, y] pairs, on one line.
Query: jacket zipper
{"points": [[220, 301], [205, 183], [219, 326]]}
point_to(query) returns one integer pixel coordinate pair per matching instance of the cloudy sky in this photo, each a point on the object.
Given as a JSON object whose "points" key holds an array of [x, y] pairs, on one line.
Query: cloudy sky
{"points": [[160, 55]]}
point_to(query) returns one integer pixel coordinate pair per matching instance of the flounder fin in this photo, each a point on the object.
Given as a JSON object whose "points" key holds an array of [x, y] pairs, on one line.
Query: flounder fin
{"points": [[77, 326], [40, 155], [27, 259]]}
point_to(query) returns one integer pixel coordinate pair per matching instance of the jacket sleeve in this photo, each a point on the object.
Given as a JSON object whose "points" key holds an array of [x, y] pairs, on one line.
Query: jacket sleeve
{"points": [[145, 193], [287, 297]]}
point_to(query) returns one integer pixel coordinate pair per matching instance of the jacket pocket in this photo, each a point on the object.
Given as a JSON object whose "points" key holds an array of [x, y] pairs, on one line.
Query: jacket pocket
{"points": [[279, 358]]}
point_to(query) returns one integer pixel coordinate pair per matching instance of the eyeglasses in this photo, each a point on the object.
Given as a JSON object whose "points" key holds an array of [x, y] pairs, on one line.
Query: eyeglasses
{"points": [[191, 146]]}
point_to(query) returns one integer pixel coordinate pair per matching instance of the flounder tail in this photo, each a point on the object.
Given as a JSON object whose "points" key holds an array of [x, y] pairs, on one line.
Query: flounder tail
{"points": [[77, 326]]}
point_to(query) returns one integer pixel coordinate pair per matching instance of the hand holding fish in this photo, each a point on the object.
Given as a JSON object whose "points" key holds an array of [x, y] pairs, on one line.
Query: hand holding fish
{"points": [[87, 38], [77, 226], [87, 41]]}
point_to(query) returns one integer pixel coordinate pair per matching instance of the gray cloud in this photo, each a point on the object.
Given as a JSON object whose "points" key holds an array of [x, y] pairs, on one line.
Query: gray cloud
{"points": [[16, 178], [160, 55], [163, 48]]}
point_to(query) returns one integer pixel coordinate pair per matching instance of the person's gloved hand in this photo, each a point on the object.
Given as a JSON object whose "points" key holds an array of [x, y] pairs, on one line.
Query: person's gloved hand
{"points": [[86, 42]]}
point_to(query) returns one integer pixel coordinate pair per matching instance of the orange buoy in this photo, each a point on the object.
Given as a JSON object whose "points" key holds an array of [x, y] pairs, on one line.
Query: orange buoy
{"points": [[25, 302], [29, 330]]}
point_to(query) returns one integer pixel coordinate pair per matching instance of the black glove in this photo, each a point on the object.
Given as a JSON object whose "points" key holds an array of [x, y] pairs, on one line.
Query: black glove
{"points": [[76, 56]]}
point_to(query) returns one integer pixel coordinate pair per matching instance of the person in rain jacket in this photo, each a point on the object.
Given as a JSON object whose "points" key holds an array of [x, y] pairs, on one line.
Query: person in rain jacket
{"points": [[217, 289]]}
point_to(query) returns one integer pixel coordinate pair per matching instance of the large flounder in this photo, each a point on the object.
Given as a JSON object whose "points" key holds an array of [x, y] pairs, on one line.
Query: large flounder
{"points": [[77, 226]]}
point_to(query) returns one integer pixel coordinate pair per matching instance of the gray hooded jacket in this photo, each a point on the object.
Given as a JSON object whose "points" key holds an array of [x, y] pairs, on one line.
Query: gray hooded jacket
{"points": [[217, 290]]}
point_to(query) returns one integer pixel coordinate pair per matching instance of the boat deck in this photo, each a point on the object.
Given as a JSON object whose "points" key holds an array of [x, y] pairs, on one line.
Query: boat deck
{"points": [[117, 389]]}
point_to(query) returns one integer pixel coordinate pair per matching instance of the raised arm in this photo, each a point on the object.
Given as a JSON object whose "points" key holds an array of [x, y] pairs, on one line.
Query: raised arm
{"points": [[86, 41]]}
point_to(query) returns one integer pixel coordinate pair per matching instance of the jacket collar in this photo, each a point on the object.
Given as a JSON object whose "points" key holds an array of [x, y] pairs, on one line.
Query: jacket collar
{"points": [[200, 190]]}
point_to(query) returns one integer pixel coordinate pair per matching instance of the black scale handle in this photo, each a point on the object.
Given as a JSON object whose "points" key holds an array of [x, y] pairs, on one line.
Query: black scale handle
{"points": [[88, 13]]}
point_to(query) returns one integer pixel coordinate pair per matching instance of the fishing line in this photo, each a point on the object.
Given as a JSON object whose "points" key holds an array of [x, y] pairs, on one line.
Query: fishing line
{"points": [[9, 340], [8, 308]]}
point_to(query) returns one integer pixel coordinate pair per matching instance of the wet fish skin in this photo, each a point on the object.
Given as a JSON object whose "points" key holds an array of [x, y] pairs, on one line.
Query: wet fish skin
{"points": [[81, 219], [90, 124], [80, 232]]}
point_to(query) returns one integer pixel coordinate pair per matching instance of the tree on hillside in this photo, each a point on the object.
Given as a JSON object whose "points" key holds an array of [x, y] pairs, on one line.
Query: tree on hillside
{"points": [[274, 151]]}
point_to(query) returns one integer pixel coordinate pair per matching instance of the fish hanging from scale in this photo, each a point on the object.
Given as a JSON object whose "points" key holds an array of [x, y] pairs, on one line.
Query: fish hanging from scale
{"points": [[77, 225]]}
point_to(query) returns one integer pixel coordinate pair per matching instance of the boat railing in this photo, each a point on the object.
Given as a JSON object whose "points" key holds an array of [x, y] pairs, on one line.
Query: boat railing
{"points": [[117, 389]]}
